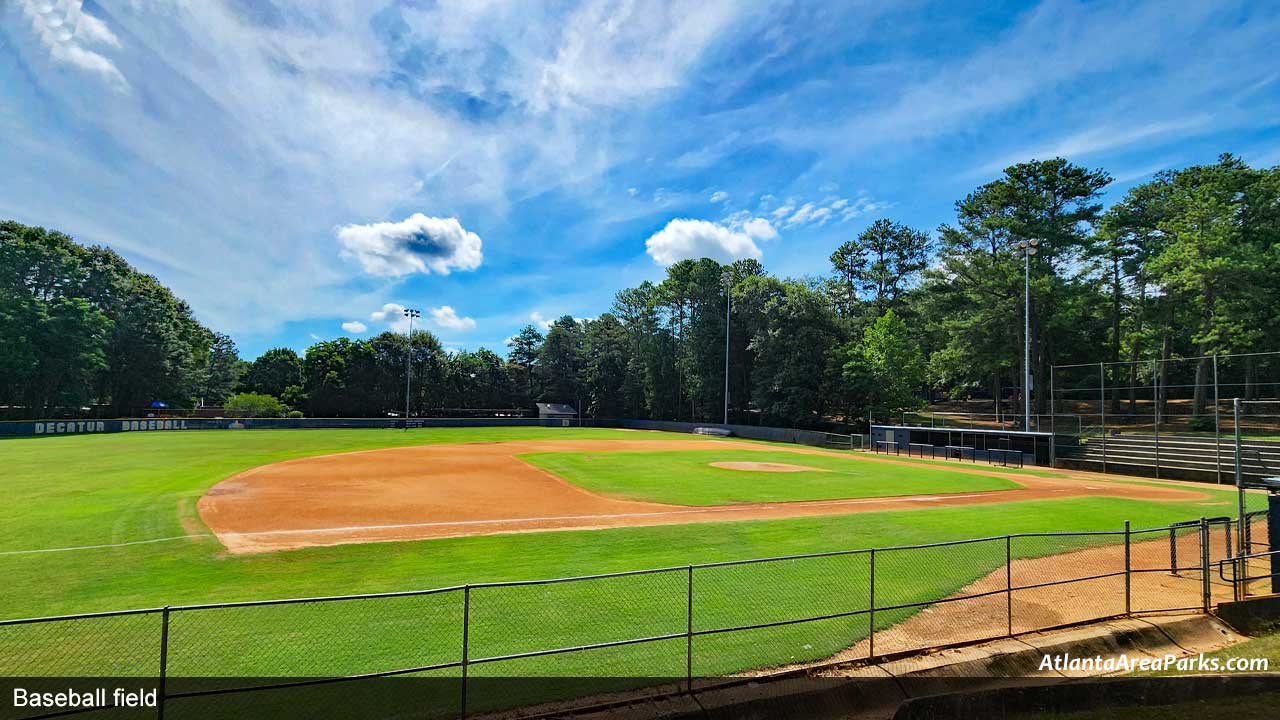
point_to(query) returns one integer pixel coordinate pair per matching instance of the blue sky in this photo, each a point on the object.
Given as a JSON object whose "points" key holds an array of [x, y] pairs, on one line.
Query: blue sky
{"points": [[298, 169]]}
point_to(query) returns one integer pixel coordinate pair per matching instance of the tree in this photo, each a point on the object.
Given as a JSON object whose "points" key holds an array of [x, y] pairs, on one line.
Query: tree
{"points": [[896, 256], [978, 285], [1209, 255], [272, 372], [560, 362], [221, 372], [794, 372], [605, 364], [524, 354], [850, 266], [887, 366], [253, 405]]}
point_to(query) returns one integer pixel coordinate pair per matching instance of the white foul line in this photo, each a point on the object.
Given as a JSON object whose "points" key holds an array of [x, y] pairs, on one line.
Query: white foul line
{"points": [[504, 521]]}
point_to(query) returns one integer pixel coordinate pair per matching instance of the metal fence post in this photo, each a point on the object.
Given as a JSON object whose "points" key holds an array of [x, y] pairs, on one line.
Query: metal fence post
{"points": [[466, 644], [1217, 423], [1128, 570], [1155, 375], [871, 626], [688, 634], [1205, 589], [1102, 410], [1173, 550], [1008, 582], [164, 661]]}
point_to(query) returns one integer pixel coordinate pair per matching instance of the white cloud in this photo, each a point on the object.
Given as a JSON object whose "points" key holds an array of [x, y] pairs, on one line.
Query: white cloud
{"points": [[760, 229], [632, 192], [684, 239], [719, 196], [416, 244], [801, 216], [839, 204], [820, 216], [355, 327], [616, 52], [391, 314], [66, 31], [862, 206], [539, 320], [783, 211], [446, 317]]}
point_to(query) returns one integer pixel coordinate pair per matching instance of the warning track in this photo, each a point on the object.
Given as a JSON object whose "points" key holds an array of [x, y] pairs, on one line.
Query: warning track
{"points": [[453, 490]]}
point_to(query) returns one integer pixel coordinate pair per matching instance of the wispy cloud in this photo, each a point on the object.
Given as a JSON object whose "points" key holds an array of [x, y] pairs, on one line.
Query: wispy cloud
{"points": [[73, 37], [1097, 139]]}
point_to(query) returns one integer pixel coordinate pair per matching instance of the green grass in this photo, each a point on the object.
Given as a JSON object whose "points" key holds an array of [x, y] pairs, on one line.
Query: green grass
{"points": [[687, 477], [114, 488], [1264, 646]]}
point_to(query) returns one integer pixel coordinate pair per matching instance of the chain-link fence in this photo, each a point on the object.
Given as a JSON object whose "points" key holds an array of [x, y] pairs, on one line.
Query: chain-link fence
{"points": [[1172, 417], [683, 624]]}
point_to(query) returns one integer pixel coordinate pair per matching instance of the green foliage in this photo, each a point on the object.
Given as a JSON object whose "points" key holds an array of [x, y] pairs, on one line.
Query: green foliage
{"points": [[880, 264], [887, 368], [795, 372], [80, 327], [272, 372], [294, 414], [253, 405]]}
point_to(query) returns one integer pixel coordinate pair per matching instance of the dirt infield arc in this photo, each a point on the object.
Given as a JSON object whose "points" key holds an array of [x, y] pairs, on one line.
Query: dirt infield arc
{"points": [[453, 490]]}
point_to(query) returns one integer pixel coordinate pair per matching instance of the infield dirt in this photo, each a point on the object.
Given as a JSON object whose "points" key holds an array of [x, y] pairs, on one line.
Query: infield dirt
{"points": [[452, 490]]}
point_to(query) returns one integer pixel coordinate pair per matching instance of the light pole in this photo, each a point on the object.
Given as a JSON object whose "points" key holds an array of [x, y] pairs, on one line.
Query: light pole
{"points": [[1028, 248], [408, 363], [727, 277]]}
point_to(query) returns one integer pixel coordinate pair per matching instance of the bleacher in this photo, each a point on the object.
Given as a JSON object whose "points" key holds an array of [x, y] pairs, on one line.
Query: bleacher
{"points": [[1181, 457]]}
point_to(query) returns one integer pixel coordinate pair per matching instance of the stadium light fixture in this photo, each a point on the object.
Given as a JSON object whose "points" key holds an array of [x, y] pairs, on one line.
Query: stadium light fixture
{"points": [[408, 362], [727, 277], [1028, 248]]}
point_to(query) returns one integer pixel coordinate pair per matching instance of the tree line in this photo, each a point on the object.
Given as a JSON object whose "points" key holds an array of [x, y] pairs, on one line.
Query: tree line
{"points": [[1185, 265]]}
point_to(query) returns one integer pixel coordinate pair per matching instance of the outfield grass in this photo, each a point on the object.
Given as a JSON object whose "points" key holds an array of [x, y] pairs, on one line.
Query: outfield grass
{"points": [[687, 477], [116, 488]]}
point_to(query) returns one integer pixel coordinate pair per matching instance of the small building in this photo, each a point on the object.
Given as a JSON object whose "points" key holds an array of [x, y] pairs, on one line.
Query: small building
{"points": [[556, 411]]}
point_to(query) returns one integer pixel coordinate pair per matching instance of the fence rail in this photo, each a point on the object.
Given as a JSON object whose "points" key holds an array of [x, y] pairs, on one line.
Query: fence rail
{"points": [[690, 621], [1171, 417]]}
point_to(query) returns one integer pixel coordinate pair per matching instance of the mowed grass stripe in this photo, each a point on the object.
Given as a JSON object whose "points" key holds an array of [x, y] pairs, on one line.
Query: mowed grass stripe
{"points": [[687, 477]]}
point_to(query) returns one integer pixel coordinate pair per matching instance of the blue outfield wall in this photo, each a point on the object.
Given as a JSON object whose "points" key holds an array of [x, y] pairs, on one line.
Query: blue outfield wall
{"points": [[39, 428]]}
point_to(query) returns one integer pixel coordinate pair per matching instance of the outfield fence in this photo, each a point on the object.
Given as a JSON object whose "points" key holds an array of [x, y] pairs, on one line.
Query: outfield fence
{"points": [[687, 624]]}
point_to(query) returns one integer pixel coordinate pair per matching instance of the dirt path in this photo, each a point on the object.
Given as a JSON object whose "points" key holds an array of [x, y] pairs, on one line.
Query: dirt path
{"points": [[1153, 589], [452, 490]]}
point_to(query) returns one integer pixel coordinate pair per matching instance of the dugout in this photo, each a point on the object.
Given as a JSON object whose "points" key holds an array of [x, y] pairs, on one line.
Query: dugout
{"points": [[968, 444]]}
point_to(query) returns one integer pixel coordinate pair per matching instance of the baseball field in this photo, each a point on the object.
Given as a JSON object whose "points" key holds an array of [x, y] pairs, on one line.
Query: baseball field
{"points": [[143, 520]]}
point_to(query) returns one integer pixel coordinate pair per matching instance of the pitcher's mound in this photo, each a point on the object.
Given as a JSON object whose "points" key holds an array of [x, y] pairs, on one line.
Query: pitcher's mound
{"points": [[766, 467]]}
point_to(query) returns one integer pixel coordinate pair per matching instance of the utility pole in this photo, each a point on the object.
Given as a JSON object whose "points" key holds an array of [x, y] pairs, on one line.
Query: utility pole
{"points": [[1028, 248], [408, 363], [727, 277]]}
